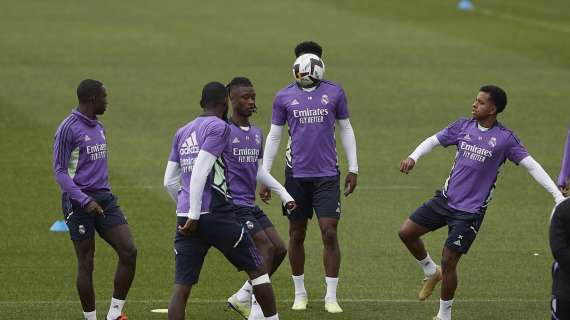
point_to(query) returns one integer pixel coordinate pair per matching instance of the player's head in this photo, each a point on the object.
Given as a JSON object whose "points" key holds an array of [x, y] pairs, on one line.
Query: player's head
{"points": [[308, 47], [215, 99], [491, 100], [242, 95], [92, 93]]}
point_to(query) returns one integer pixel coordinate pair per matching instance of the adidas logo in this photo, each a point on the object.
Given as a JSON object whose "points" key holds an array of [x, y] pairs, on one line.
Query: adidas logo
{"points": [[295, 102], [87, 138], [236, 140], [467, 137], [190, 146], [457, 243]]}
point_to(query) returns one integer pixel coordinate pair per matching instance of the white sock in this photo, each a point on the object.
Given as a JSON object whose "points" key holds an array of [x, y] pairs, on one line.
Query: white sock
{"points": [[299, 282], [428, 266], [115, 309], [445, 309], [90, 315], [245, 292], [332, 283], [273, 317]]}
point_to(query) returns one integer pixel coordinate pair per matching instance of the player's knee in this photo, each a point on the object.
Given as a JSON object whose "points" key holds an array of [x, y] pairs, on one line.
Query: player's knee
{"points": [[329, 236], [128, 256], [448, 264], [86, 265], [280, 251], [297, 236], [404, 236]]}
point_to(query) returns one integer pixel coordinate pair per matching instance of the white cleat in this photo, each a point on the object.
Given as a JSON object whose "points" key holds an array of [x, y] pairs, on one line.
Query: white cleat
{"points": [[242, 308], [256, 312], [333, 307], [300, 302]]}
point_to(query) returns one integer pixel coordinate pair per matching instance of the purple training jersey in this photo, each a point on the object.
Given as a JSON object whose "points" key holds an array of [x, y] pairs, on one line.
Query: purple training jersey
{"points": [[479, 155], [208, 133], [241, 155], [565, 168], [311, 119], [80, 157]]}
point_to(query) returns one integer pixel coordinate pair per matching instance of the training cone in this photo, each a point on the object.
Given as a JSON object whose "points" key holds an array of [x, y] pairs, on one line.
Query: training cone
{"points": [[465, 5], [59, 226]]}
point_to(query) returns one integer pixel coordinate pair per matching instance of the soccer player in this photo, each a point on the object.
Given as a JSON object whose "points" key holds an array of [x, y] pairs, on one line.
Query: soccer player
{"points": [[483, 145], [311, 174], [205, 211], [243, 158], [564, 176], [560, 246], [80, 168]]}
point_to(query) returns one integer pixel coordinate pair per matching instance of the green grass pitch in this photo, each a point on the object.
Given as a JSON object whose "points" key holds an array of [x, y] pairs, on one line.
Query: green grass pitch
{"points": [[408, 67]]}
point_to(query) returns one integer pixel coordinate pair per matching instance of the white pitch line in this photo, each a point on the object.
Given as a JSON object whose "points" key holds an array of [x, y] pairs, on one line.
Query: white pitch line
{"points": [[222, 301], [529, 21]]}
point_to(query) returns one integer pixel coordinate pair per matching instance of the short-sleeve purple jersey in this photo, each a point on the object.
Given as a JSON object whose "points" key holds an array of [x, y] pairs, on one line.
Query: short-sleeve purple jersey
{"points": [[208, 133], [80, 157], [564, 175], [470, 184], [311, 119], [241, 155]]}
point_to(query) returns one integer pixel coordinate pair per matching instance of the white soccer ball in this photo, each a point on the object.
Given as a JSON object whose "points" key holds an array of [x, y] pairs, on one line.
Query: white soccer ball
{"points": [[308, 70]]}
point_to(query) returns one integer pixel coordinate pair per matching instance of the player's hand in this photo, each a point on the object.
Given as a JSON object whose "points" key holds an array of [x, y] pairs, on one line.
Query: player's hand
{"points": [[565, 189], [407, 165], [290, 206], [189, 227], [265, 193], [350, 183], [94, 209]]}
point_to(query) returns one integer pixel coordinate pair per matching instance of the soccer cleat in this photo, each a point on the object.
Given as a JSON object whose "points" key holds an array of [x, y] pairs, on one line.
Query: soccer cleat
{"points": [[300, 302], [429, 284], [333, 307], [256, 313], [437, 318], [242, 308]]}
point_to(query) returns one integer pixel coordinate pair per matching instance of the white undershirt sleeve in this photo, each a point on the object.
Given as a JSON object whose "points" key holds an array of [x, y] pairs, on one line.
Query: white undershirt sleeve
{"points": [[538, 173], [424, 148], [349, 144], [267, 179], [271, 146], [172, 179], [200, 171]]}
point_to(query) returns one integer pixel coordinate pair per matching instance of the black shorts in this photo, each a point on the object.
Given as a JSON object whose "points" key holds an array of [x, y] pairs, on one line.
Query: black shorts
{"points": [[81, 225], [560, 309], [462, 226], [319, 193], [252, 218], [220, 230]]}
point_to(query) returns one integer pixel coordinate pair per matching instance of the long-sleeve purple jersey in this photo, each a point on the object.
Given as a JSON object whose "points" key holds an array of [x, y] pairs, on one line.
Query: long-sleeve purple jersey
{"points": [[80, 157], [564, 175]]}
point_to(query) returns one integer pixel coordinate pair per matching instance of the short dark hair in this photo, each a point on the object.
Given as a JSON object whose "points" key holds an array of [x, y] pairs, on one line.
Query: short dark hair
{"points": [[308, 47], [239, 82], [212, 93], [498, 95], [87, 89]]}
